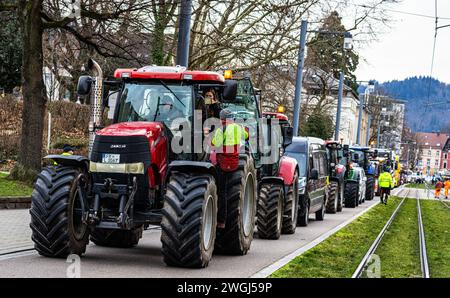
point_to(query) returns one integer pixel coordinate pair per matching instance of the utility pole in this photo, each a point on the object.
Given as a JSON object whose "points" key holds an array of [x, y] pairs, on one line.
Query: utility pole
{"points": [[339, 106], [378, 134], [184, 33], [299, 76], [369, 123], [364, 102], [361, 107]]}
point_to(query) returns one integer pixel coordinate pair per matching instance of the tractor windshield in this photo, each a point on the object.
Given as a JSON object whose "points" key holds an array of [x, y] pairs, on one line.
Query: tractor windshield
{"points": [[155, 102]]}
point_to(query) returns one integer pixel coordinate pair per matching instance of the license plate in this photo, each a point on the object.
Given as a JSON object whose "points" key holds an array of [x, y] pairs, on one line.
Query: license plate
{"points": [[110, 158]]}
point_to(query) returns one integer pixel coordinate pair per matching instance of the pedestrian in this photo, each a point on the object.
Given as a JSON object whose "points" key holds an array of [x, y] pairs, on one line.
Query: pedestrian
{"points": [[437, 192], [447, 186], [385, 182], [67, 150], [227, 142]]}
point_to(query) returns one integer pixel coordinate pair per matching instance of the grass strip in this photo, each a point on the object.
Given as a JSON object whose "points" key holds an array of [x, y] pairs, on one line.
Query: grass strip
{"points": [[436, 221], [340, 254], [399, 249], [10, 187], [415, 185]]}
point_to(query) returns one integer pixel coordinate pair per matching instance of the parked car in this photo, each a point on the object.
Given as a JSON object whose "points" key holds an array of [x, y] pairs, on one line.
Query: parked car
{"points": [[311, 156], [355, 188]]}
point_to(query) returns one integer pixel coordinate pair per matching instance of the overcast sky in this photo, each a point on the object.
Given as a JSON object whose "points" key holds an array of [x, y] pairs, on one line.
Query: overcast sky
{"points": [[406, 49]]}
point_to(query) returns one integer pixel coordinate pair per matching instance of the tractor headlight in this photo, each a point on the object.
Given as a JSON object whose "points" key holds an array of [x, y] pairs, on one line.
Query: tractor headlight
{"points": [[123, 168]]}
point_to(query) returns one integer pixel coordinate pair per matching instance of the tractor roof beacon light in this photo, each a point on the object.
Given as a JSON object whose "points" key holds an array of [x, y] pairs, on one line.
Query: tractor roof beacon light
{"points": [[228, 74], [348, 41], [280, 109]]}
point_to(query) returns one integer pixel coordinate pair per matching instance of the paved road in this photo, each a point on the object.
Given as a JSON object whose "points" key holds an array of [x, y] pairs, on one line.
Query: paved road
{"points": [[15, 232], [145, 260]]}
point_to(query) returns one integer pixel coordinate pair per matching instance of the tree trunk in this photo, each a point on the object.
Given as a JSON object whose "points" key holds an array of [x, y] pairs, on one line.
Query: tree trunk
{"points": [[34, 95]]}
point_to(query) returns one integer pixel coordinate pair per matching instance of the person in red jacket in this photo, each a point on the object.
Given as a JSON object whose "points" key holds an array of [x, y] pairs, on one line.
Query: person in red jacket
{"points": [[437, 192]]}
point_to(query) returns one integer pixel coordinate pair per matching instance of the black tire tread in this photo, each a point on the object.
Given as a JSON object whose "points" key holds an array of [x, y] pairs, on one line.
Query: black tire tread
{"points": [[269, 201], [230, 240], [181, 224], [49, 213]]}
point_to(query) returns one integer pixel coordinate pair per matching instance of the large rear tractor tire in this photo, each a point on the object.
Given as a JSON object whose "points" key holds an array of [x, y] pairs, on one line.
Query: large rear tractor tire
{"points": [[351, 194], [370, 186], [58, 229], [290, 214], [117, 238], [237, 236], [270, 211], [189, 220], [333, 197]]}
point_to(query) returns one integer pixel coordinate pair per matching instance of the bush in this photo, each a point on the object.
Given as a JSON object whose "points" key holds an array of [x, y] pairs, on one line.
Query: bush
{"points": [[69, 126]]}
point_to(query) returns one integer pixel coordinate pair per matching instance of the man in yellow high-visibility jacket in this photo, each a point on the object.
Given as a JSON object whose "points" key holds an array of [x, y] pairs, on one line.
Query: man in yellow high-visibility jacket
{"points": [[67, 150], [385, 183], [227, 141]]}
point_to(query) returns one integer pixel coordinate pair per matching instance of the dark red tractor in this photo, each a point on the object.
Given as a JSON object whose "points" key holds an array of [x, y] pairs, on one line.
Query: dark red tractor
{"points": [[146, 168], [278, 190]]}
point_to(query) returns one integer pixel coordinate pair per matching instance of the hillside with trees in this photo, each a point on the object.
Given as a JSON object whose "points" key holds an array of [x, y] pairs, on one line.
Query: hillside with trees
{"points": [[418, 92]]}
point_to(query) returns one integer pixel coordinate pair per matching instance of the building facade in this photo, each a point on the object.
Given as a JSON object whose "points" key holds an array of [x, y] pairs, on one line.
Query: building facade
{"points": [[431, 147], [445, 157]]}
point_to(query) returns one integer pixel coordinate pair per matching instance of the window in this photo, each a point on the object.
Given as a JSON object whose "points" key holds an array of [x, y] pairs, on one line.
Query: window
{"points": [[428, 162], [429, 152], [445, 156], [438, 153], [445, 165], [436, 163]]}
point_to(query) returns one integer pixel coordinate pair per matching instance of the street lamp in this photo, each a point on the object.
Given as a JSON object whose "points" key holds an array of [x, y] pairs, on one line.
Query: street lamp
{"points": [[348, 45], [363, 102]]}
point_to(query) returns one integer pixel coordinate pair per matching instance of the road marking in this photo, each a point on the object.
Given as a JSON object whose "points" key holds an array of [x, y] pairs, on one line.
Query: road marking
{"points": [[17, 254], [265, 272]]}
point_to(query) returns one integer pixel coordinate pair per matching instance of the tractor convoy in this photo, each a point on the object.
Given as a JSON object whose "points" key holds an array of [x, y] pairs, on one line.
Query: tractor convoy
{"points": [[156, 164]]}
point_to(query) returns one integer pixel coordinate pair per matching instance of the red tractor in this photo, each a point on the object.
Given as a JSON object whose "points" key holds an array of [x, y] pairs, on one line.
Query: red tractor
{"points": [[146, 169], [278, 191], [336, 162]]}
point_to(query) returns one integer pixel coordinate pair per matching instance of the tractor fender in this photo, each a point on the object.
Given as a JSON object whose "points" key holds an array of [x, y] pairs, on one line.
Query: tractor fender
{"points": [[287, 168], [272, 180], [188, 166], [70, 160]]}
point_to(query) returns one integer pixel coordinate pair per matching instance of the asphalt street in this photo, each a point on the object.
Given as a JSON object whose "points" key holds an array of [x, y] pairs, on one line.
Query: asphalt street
{"points": [[145, 260]]}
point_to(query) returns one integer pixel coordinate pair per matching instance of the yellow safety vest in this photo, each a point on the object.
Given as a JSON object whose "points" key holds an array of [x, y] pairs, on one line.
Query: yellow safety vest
{"points": [[385, 180], [234, 135]]}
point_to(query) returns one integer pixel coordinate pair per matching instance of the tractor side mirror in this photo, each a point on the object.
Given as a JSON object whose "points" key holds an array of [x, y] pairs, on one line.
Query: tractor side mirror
{"points": [[230, 90], [356, 157], [314, 175], [288, 134], [84, 85]]}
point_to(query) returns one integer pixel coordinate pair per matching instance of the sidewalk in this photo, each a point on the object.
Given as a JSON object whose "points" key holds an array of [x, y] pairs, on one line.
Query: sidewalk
{"points": [[15, 231]]}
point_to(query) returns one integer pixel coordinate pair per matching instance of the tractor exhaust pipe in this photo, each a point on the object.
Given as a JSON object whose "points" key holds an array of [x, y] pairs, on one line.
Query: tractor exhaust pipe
{"points": [[95, 122]]}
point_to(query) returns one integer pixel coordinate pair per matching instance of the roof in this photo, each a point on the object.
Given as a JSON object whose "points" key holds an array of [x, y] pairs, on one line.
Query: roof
{"points": [[431, 139], [176, 73]]}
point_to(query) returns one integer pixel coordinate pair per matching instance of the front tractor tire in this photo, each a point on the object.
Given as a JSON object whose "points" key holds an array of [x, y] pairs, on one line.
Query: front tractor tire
{"points": [[240, 188], [117, 238], [333, 197], [56, 215], [351, 194], [370, 188], [189, 220], [270, 211]]}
